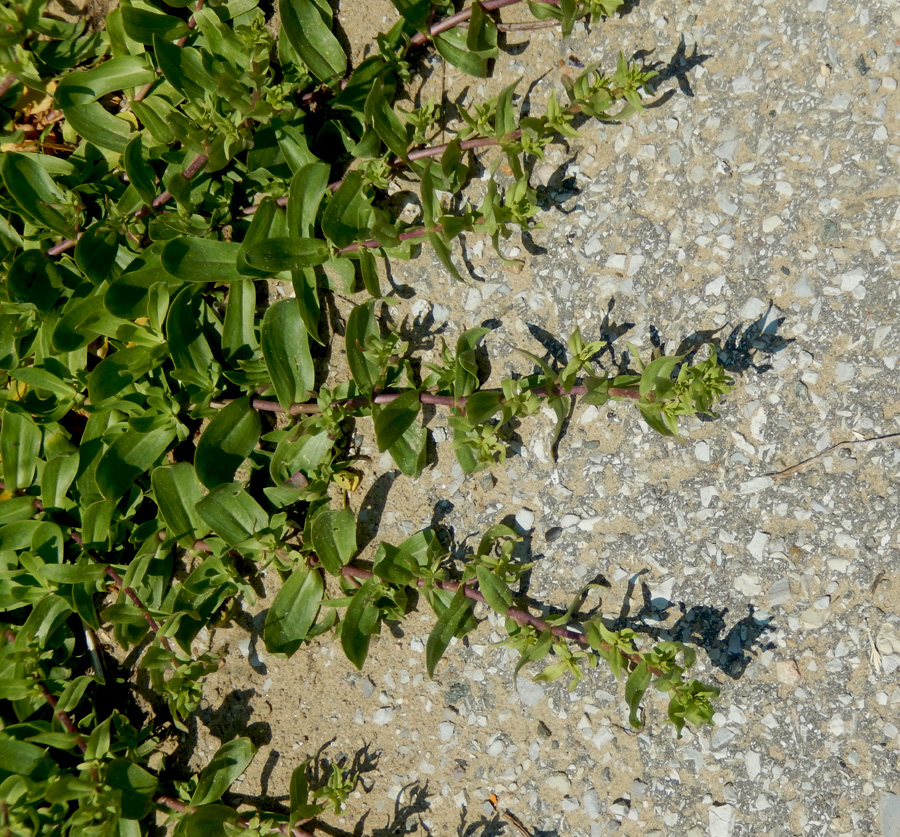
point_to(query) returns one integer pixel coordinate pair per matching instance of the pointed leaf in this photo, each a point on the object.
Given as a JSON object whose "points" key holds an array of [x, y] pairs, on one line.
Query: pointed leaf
{"points": [[635, 687], [450, 623], [232, 513], [177, 492], [294, 611], [354, 639], [20, 443], [201, 260], [495, 592], [229, 762], [129, 456], [333, 536], [393, 419], [285, 348], [226, 442], [312, 39], [277, 254]]}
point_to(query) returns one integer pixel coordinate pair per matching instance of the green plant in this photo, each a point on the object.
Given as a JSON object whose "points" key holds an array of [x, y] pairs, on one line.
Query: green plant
{"points": [[189, 157]]}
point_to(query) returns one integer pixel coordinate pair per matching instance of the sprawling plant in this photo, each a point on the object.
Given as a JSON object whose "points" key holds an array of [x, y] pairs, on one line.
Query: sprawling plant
{"points": [[160, 434]]}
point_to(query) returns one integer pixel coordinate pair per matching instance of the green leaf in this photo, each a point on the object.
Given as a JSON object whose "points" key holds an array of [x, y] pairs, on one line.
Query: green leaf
{"points": [[417, 13], [20, 443], [238, 332], [306, 292], [293, 612], [452, 47], [285, 348], [537, 651], [201, 259], [349, 212], [333, 536], [354, 636], [635, 687], [183, 68], [152, 113], [466, 379], [79, 91], [480, 406], [35, 192], [185, 333], [308, 187], [265, 219], [139, 172], [18, 757], [141, 25], [58, 475], [130, 455], [451, 623], [138, 787], [98, 126], [394, 418], [208, 821], [277, 254], [96, 520], [177, 492], [85, 86], [117, 371], [505, 120], [83, 321], [128, 295], [659, 369], [229, 762], [95, 253], [389, 127], [495, 592], [35, 279], [232, 513], [409, 450], [361, 325], [226, 442], [312, 39], [301, 808]]}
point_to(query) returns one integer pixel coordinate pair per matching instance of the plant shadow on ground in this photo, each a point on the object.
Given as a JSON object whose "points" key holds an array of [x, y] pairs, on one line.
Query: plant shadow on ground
{"points": [[702, 625], [680, 64]]}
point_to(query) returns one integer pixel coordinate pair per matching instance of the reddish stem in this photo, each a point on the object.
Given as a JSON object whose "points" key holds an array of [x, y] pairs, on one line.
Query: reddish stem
{"points": [[311, 408], [514, 613], [193, 167], [8, 82], [421, 38], [63, 717]]}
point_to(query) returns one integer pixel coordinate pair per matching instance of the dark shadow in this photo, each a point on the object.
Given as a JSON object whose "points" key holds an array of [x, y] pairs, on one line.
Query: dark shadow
{"points": [[680, 64], [482, 827], [397, 824], [464, 255], [738, 351], [611, 331], [700, 625], [560, 188], [551, 344], [266, 773], [368, 520], [232, 719], [403, 291]]}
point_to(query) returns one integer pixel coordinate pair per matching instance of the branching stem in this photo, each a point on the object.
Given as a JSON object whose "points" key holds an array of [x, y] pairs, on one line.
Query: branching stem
{"points": [[355, 403], [523, 617]]}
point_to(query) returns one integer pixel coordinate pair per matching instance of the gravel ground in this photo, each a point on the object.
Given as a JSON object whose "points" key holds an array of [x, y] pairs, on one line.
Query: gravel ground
{"points": [[755, 204]]}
